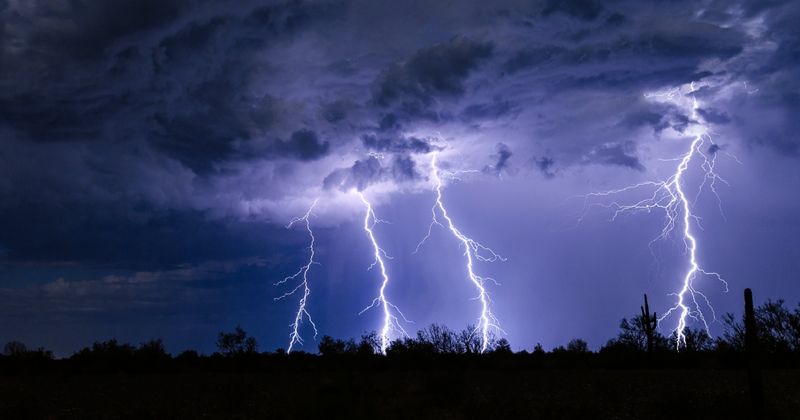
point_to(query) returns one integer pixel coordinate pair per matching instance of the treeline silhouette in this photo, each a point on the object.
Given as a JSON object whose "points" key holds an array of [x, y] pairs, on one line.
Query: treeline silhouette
{"points": [[637, 344]]}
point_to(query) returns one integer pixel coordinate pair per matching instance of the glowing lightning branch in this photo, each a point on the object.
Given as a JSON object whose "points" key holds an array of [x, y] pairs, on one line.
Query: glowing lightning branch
{"points": [[390, 321], [302, 273], [670, 196], [472, 251]]}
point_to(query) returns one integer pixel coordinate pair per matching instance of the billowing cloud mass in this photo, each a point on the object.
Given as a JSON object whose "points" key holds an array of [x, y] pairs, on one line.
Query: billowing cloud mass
{"points": [[178, 137]]}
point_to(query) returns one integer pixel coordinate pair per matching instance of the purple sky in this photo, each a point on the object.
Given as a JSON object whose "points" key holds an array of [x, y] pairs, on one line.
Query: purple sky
{"points": [[152, 152]]}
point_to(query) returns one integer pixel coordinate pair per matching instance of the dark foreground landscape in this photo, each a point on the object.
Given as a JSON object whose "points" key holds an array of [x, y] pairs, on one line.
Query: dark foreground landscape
{"points": [[518, 387], [751, 371]]}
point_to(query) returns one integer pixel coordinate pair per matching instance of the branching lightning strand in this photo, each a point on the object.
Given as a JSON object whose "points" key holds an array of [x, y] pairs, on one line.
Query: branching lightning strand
{"points": [[302, 273], [390, 321], [472, 251], [670, 196]]}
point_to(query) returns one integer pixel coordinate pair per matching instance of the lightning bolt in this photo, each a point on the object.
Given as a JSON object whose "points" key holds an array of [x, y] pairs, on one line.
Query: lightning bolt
{"points": [[472, 251], [302, 273], [390, 321], [670, 196]]}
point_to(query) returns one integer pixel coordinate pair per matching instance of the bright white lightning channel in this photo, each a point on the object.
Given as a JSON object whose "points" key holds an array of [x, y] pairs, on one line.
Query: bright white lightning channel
{"points": [[670, 196], [472, 251], [302, 273], [390, 321]]}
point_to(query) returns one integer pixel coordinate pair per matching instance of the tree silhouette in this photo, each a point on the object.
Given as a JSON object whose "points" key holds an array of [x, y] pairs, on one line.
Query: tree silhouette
{"points": [[470, 340], [502, 347], [577, 345], [152, 351], [236, 343], [330, 346], [441, 338], [370, 344], [15, 349], [106, 350], [696, 340]]}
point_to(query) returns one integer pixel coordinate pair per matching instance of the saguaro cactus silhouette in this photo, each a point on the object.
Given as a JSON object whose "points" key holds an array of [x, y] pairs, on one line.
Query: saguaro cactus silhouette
{"points": [[751, 350], [649, 324]]}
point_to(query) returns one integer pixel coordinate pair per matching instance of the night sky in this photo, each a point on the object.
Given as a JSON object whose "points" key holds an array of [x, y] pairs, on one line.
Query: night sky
{"points": [[153, 151]]}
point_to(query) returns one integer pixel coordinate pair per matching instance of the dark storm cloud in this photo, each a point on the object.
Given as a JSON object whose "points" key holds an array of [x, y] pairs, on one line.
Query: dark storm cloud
{"points": [[776, 129], [678, 49], [371, 170], [616, 154], [501, 163], [487, 110], [336, 111], [200, 115], [641, 118], [147, 239], [87, 29], [191, 82], [764, 112], [396, 144], [581, 9], [659, 117], [144, 135], [714, 116], [122, 105], [44, 120], [218, 117], [437, 71], [695, 41], [303, 145], [545, 165], [616, 19], [532, 57]]}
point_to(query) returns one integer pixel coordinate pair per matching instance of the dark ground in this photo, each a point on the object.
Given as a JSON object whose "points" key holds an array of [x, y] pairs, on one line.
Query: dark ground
{"points": [[398, 393]]}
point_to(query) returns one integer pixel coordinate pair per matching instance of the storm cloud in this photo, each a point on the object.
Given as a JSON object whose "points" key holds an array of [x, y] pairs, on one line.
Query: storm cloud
{"points": [[177, 138], [369, 171]]}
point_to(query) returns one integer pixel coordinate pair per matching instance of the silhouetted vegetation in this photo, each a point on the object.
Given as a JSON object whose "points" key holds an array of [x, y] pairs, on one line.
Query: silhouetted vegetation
{"points": [[236, 343], [778, 329], [638, 348], [16, 350], [778, 334]]}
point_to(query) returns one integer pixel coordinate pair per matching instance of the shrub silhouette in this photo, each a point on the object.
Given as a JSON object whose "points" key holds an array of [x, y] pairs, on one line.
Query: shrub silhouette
{"points": [[369, 344], [188, 356], [502, 347], [152, 349], [778, 329], [438, 339], [330, 346], [15, 349], [577, 345], [634, 338], [441, 339], [778, 326], [106, 350], [18, 350], [697, 340], [236, 343]]}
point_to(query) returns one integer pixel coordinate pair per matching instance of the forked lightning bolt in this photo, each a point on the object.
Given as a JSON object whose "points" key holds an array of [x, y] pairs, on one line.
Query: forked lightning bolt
{"points": [[671, 197], [472, 251], [390, 321], [302, 273]]}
